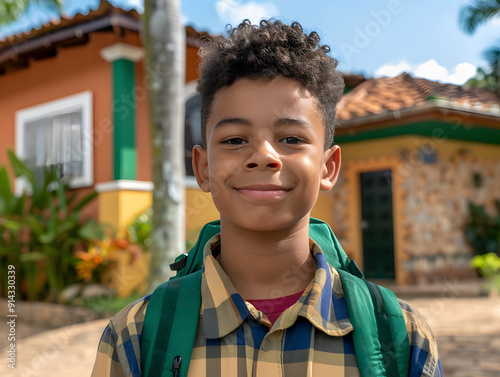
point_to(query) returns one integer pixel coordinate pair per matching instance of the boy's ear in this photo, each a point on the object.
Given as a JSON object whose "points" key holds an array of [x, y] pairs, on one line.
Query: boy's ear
{"points": [[200, 168], [331, 168]]}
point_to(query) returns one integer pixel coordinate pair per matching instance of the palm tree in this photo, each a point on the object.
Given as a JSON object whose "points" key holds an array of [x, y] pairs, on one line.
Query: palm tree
{"points": [[471, 16], [164, 43]]}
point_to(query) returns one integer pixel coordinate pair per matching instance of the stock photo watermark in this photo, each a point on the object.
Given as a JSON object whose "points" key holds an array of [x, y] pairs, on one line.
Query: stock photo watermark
{"points": [[11, 316]]}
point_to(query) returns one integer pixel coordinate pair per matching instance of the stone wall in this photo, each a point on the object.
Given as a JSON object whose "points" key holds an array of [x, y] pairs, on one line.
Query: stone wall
{"points": [[436, 211]]}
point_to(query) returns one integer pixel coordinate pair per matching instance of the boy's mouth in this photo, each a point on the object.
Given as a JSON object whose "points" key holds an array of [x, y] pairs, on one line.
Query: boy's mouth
{"points": [[263, 192]]}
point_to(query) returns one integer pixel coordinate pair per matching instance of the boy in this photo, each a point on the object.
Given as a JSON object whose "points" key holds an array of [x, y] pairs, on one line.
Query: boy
{"points": [[271, 305]]}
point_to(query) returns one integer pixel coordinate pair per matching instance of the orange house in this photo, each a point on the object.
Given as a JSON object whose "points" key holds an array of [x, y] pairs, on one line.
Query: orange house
{"points": [[73, 93]]}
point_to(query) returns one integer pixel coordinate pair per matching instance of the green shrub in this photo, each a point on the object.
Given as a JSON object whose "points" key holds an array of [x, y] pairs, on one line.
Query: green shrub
{"points": [[483, 230], [488, 265], [39, 231], [139, 231]]}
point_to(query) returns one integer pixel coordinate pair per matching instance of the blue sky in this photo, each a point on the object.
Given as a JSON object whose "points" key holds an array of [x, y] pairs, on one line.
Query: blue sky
{"points": [[372, 37]]}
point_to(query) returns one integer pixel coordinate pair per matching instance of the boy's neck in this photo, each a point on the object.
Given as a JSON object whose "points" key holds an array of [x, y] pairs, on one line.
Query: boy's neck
{"points": [[269, 264]]}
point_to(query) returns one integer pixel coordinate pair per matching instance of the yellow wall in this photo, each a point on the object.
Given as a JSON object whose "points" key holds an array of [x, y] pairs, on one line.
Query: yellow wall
{"points": [[323, 208], [200, 209]]}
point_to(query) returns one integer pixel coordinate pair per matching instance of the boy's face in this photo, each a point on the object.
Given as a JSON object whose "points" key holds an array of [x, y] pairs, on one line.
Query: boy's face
{"points": [[265, 161]]}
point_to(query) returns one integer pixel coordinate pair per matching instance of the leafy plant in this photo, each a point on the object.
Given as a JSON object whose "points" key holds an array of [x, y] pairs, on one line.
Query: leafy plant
{"points": [[39, 230], [488, 265], [483, 230], [99, 254], [139, 231]]}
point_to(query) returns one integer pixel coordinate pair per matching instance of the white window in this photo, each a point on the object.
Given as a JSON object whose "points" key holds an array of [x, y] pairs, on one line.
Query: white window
{"points": [[57, 133]]}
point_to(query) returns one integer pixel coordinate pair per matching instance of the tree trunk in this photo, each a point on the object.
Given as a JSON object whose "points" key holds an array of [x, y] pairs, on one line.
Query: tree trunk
{"points": [[164, 43]]}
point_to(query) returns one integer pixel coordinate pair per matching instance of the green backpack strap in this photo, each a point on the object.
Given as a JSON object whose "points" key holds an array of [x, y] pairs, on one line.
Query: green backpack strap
{"points": [[170, 327], [380, 338], [189, 262]]}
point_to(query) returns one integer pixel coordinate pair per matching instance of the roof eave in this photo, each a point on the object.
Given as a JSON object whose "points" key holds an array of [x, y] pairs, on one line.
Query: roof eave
{"points": [[77, 30], [441, 105]]}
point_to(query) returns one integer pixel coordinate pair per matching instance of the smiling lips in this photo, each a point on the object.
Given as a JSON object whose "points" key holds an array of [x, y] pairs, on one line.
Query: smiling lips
{"points": [[263, 192]]}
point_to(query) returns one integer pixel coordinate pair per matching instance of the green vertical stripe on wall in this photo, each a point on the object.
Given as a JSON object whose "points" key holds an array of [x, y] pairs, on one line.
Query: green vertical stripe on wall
{"points": [[124, 151]]}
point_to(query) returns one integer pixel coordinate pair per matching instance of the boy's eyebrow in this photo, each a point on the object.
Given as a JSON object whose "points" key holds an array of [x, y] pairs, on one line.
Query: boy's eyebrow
{"points": [[227, 121], [295, 122]]}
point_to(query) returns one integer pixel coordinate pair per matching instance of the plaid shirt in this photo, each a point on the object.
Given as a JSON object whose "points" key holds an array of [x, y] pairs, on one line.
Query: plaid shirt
{"points": [[311, 338]]}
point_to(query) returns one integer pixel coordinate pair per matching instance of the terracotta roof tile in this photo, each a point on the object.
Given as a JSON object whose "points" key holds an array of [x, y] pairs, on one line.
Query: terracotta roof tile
{"points": [[376, 96]]}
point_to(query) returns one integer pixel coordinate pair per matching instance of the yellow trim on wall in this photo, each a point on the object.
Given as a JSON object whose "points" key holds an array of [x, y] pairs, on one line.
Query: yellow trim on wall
{"points": [[353, 169]]}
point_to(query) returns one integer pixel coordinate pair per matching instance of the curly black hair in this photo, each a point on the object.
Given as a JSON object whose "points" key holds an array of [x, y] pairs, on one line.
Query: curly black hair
{"points": [[269, 50]]}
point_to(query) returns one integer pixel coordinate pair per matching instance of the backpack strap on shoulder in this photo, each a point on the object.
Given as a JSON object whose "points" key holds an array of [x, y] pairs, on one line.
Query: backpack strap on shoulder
{"points": [[166, 348], [385, 337], [380, 337]]}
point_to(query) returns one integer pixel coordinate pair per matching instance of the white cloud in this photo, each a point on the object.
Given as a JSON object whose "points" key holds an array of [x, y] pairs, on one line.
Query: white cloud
{"points": [[430, 70], [462, 73], [234, 11], [393, 70]]}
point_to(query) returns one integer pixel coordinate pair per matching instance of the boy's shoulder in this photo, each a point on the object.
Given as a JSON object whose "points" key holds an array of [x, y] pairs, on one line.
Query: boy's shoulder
{"points": [[119, 349], [130, 319]]}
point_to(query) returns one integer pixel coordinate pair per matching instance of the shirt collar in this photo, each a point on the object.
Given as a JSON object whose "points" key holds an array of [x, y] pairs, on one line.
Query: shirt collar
{"points": [[322, 303]]}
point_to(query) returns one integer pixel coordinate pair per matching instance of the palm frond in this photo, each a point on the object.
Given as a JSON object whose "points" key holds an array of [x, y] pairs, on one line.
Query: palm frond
{"points": [[492, 56], [10, 11], [471, 16]]}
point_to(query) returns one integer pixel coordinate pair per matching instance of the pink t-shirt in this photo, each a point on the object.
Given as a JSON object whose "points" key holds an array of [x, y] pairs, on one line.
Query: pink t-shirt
{"points": [[273, 307]]}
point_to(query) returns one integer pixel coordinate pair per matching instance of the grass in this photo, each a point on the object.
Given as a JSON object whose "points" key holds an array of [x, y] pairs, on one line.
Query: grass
{"points": [[109, 305]]}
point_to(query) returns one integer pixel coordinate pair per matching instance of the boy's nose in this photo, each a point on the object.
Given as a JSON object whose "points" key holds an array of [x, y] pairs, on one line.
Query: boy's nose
{"points": [[263, 156]]}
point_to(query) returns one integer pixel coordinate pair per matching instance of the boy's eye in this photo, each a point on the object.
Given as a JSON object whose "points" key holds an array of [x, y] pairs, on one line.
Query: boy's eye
{"points": [[234, 141], [292, 140]]}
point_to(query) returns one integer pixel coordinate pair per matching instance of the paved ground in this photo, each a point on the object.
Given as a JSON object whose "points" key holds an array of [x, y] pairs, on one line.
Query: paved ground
{"points": [[468, 334], [467, 328]]}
